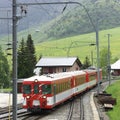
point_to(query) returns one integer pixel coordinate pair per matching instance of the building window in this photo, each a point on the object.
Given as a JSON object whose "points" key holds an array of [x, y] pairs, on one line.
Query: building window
{"points": [[64, 69], [77, 68]]}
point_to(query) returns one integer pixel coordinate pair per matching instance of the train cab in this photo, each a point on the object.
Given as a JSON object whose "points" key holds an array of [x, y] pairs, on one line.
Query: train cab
{"points": [[35, 95]]}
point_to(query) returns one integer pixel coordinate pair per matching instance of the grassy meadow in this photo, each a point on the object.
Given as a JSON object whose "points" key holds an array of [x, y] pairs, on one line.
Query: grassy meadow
{"points": [[114, 89], [80, 45]]}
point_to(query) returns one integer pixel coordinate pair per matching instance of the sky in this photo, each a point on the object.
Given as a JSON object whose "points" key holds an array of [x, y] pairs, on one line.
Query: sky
{"points": [[5, 3]]}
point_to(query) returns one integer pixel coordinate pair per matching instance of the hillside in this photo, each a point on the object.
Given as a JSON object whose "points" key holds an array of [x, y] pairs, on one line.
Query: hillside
{"points": [[36, 15], [76, 21], [60, 21], [68, 31], [79, 45]]}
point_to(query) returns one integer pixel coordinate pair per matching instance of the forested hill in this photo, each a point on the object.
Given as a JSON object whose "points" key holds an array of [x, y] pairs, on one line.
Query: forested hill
{"points": [[74, 21], [59, 21], [36, 14]]}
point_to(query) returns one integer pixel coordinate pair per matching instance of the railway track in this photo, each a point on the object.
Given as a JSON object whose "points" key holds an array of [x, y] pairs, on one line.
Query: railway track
{"points": [[76, 110], [30, 116], [6, 112], [81, 109], [70, 110], [8, 116], [22, 114], [9, 109]]}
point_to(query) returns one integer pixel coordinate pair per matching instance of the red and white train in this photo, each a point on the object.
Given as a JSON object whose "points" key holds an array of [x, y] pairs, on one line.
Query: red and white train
{"points": [[48, 91]]}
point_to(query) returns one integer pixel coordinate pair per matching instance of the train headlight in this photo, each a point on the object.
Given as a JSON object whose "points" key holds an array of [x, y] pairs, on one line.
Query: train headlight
{"points": [[28, 97], [36, 80], [44, 97], [36, 103]]}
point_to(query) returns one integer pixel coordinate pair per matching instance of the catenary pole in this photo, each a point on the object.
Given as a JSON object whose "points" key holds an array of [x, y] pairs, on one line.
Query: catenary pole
{"points": [[98, 59], [14, 37], [109, 67]]}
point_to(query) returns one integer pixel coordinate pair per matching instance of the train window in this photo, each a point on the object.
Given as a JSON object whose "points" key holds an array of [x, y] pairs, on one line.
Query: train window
{"points": [[92, 77], [26, 89], [64, 86], [36, 89], [46, 89], [60, 87], [57, 88], [69, 84], [80, 80]]}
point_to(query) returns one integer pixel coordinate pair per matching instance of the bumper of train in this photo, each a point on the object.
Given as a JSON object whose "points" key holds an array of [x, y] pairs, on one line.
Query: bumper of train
{"points": [[34, 104], [34, 109]]}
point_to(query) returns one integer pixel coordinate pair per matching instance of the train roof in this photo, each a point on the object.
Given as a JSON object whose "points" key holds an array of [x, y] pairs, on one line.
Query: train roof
{"points": [[55, 76], [90, 70]]}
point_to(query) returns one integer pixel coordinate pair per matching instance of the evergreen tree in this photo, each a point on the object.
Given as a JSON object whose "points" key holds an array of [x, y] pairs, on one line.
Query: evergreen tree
{"points": [[31, 58], [104, 60], [26, 58], [22, 60], [86, 63], [4, 70]]}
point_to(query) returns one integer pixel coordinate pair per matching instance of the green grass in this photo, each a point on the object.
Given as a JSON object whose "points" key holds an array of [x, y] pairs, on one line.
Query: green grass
{"points": [[79, 45], [114, 89], [76, 45]]}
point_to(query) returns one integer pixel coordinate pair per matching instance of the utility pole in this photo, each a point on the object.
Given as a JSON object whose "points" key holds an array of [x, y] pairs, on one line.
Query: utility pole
{"points": [[92, 44], [108, 66], [98, 59], [14, 37], [92, 58]]}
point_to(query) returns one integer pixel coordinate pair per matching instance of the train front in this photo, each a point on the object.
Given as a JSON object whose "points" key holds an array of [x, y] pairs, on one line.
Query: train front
{"points": [[34, 99]]}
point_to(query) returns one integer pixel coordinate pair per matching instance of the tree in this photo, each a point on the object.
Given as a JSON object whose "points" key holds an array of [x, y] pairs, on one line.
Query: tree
{"points": [[26, 58], [104, 60], [22, 60], [4, 70], [86, 63], [30, 58]]}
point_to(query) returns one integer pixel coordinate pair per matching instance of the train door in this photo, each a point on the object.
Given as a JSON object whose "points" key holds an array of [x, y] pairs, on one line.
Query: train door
{"points": [[54, 92], [87, 80], [73, 84]]}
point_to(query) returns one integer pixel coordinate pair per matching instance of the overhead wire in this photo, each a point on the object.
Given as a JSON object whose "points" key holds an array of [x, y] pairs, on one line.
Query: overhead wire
{"points": [[75, 45], [46, 10]]}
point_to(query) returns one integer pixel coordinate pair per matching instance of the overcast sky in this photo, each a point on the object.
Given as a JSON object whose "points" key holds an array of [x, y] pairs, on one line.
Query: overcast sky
{"points": [[5, 3]]}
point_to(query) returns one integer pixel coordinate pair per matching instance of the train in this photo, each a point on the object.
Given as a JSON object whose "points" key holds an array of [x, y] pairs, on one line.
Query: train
{"points": [[45, 92]]}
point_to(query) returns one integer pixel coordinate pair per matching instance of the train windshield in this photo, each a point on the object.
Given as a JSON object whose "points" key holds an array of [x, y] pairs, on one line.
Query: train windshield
{"points": [[46, 89], [36, 89], [26, 89]]}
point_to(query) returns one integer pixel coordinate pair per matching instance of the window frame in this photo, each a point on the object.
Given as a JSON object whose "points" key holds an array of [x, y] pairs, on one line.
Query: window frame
{"points": [[30, 87]]}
